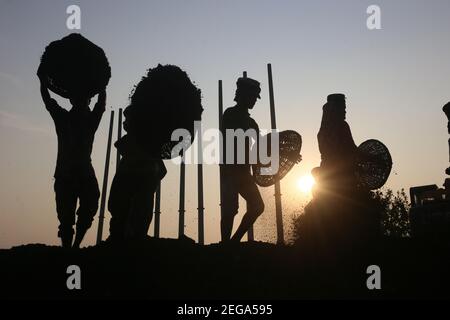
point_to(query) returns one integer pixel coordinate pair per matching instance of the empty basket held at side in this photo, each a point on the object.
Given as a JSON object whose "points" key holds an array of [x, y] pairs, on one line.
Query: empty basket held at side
{"points": [[373, 165], [290, 145]]}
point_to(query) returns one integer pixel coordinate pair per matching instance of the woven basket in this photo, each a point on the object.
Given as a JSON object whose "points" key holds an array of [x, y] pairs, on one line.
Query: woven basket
{"points": [[373, 165], [290, 145]]}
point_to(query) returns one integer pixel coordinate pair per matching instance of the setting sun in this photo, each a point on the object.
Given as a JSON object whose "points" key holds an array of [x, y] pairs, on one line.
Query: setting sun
{"points": [[306, 183]]}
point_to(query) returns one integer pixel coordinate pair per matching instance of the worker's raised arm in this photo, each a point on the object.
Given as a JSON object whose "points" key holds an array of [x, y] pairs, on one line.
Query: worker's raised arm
{"points": [[99, 107], [50, 104], [45, 94]]}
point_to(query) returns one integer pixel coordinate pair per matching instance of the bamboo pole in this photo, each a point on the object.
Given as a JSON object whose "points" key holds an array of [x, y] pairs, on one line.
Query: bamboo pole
{"points": [[105, 181], [182, 197], [157, 210], [201, 209], [250, 232], [119, 135], [221, 147], [278, 208]]}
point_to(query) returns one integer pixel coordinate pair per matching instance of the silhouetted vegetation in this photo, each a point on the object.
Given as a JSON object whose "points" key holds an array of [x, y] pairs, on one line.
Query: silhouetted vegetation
{"points": [[395, 216], [393, 209]]}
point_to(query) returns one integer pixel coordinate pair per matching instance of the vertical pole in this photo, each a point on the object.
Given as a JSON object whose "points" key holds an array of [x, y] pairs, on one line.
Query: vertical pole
{"points": [[157, 209], [181, 205], [278, 209], [250, 233], [119, 135], [201, 231], [221, 148], [105, 181]]}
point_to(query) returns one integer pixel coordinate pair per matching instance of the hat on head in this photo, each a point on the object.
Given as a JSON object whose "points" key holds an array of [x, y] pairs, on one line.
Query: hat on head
{"points": [[446, 109], [249, 86], [336, 98]]}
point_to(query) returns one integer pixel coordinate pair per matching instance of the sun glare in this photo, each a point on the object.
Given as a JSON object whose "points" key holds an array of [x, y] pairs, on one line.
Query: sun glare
{"points": [[306, 183]]}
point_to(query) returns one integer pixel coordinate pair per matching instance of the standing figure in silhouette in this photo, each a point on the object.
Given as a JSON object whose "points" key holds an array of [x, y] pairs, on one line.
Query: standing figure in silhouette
{"points": [[163, 101], [237, 178], [74, 175], [341, 215], [132, 191], [337, 148]]}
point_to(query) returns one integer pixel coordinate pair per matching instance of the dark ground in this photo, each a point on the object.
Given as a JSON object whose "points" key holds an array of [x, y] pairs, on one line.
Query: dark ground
{"points": [[173, 269]]}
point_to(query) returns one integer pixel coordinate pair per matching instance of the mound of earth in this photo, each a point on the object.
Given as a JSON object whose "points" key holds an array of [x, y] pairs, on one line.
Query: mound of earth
{"points": [[179, 269]]}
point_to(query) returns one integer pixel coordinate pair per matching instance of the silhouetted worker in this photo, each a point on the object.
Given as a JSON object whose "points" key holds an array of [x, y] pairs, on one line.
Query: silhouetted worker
{"points": [[163, 101], [74, 175], [132, 191], [237, 178], [337, 148]]}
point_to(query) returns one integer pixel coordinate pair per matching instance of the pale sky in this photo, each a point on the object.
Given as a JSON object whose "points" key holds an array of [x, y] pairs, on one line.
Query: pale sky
{"points": [[396, 80]]}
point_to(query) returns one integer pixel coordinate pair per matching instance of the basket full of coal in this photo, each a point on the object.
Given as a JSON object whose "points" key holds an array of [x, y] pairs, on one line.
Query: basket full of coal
{"points": [[74, 66]]}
